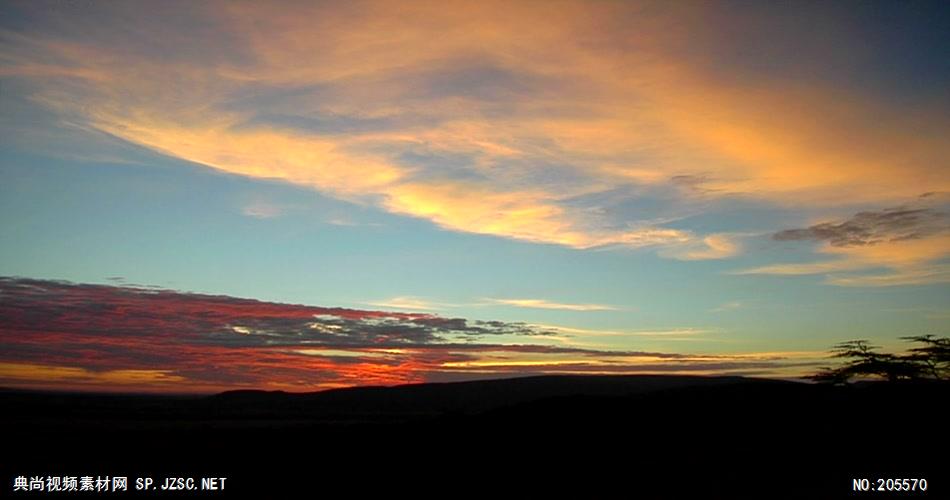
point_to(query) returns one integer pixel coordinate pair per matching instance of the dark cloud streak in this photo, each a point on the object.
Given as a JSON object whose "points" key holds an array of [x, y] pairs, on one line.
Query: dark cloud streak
{"points": [[872, 227]]}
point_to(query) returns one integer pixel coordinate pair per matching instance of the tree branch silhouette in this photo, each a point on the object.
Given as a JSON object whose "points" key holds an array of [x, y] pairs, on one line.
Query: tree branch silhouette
{"points": [[929, 361]]}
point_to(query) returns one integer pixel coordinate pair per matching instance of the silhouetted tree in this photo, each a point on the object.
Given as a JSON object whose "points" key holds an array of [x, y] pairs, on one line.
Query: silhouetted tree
{"points": [[933, 357], [930, 361]]}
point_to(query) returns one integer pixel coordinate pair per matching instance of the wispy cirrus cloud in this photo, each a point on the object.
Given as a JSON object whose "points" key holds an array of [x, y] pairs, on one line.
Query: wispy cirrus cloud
{"points": [[546, 304], [262, 210], [728, 306], [713, 246], [66, 335], [411, 303], [606, 333], [902, 264]]}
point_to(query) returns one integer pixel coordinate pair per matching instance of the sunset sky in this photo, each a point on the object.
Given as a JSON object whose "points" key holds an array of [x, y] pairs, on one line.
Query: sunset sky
{"points": [[200, 196]]}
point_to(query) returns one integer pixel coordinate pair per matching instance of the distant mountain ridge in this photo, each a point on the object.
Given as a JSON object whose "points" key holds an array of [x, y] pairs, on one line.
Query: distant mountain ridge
{"points": [[474, 396], [355, 404]]}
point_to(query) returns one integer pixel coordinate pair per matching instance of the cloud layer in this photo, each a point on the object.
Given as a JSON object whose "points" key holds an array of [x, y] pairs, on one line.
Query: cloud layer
{"points": [[909, 243], [65, 335], [873, 227], [487, 118]]}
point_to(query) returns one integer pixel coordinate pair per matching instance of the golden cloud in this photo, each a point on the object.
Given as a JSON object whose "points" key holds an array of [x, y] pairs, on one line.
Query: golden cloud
{"points": [[903, 262], [544, 102]]}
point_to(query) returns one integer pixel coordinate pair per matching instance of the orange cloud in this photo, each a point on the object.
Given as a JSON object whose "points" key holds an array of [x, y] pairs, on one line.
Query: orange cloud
{"points": [[605, 92], [771, 142], [714, 246], [904, 262], [51, 376]]}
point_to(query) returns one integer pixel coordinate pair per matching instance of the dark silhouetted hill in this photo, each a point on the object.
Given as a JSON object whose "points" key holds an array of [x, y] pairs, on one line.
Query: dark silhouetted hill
{"points": [[593, 436]]}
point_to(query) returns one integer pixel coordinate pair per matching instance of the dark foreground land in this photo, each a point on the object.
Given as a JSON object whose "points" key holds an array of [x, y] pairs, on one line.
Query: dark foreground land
{"points": [[564, 436]]}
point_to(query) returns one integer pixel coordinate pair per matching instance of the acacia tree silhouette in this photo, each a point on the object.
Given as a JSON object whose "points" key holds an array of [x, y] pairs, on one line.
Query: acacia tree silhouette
{"points": [[933, 357], [929, 361]]}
